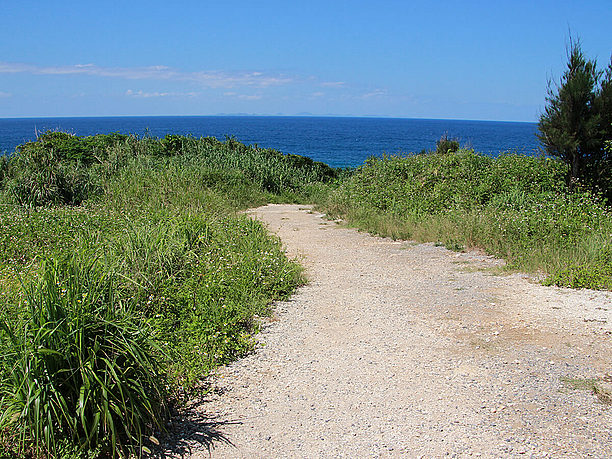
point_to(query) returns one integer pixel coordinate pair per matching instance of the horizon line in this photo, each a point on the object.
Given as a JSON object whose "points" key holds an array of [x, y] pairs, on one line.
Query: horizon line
{"points": [[259, 115]]}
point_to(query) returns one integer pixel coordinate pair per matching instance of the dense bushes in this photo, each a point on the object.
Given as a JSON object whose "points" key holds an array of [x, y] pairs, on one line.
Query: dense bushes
{"points": [[40, 178], [68, 147], [516, 207], [4, 169], [447, 145], [60, 168], [271, 170], [434, 183]]}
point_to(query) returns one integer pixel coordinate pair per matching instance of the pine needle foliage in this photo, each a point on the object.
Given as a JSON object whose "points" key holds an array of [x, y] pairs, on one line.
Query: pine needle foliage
{"points": [[577, 121]]}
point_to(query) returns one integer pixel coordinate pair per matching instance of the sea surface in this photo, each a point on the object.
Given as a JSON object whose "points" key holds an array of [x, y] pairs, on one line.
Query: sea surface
{"points": [[336, 141]]}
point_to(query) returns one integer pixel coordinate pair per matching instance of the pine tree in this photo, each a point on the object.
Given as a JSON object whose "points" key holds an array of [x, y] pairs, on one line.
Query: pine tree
{"points": [[570, 127]]}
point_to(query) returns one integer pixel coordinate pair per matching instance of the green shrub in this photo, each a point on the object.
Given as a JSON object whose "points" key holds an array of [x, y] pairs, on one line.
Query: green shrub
{"points": [[270, 170], [447, 145], [82, 369], [173, 144], [43, 173], [41, 180], [59, 168], [69, 147]]}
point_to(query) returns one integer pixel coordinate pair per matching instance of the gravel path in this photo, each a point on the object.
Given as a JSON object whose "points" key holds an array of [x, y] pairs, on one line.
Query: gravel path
{"points": [[403, 349]]}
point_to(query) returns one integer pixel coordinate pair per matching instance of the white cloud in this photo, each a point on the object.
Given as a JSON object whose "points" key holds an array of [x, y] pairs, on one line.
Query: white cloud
{"points": [[143, 94], [225, 80], [317, 94], [5, 94], [243, 96], [6, 67], [89, 69], [207, 78], [375, 93], [333, 84], [249, 97]]}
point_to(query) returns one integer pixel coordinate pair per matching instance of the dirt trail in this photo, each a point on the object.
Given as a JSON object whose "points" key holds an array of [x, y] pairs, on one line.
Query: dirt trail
{"points": [[399, 349]]}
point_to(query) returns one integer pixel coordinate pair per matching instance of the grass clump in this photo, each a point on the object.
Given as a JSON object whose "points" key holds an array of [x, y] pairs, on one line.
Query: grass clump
{"points": [[80, 369], [600, 387], [447, 145], [516, 207]]}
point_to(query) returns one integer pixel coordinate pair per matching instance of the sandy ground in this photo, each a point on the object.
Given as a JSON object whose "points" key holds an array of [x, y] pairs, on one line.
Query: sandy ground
{"points": [[402, 349]]}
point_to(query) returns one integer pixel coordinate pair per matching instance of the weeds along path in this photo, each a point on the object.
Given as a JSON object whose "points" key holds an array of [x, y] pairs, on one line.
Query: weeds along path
{"points": [[398, 349]]}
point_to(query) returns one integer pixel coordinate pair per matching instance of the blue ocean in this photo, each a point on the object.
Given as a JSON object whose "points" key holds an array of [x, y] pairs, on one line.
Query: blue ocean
{"points": [[336, 141]]}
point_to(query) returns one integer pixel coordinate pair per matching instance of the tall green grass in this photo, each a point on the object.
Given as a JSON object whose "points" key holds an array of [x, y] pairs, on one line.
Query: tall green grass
{"points": [[92, 351], [81, 367], [514, 206]]}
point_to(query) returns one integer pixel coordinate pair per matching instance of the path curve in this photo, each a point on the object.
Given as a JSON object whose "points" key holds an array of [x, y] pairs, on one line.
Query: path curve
{"points": [[402, 349]]}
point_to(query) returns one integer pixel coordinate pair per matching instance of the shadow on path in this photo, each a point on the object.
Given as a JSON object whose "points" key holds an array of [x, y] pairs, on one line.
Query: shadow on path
{"points": [[193, 430]]}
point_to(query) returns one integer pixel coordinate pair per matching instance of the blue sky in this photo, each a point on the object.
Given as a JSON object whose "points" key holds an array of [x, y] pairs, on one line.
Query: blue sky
{"points": [[466, 59]]}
